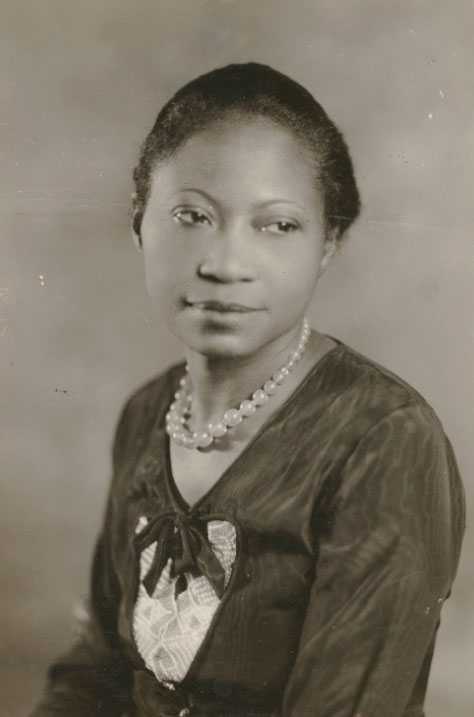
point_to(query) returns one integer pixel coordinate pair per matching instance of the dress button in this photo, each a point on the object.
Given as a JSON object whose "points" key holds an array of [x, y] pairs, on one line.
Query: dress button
{"points": [[184, 712]]}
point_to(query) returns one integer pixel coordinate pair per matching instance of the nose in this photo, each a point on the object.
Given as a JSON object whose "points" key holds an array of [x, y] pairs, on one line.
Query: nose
{"points": [[226, 260]]}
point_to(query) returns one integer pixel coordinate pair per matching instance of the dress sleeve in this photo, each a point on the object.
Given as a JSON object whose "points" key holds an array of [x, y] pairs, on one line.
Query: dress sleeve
{"points": [[92, 679], [389, 535]]}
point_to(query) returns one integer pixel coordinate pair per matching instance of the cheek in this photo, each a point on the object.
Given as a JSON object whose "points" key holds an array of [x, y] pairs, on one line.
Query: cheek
{"points": [[164, 274], [294, 273], [168, 262]]}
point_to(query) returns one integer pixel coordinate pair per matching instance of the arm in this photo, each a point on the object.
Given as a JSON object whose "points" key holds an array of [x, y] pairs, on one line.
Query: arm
{"points": [[92, 678], [389, 543]]}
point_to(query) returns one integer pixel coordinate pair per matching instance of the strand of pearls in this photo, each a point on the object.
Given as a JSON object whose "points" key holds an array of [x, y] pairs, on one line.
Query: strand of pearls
{"points": [[180, 409]]}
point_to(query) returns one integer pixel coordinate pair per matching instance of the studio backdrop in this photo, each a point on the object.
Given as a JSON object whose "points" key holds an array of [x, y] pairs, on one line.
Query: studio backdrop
{"points": [[81, 84]]}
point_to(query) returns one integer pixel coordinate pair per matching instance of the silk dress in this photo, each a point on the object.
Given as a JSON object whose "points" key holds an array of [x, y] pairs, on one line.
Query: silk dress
{"points": [[307, 582]]}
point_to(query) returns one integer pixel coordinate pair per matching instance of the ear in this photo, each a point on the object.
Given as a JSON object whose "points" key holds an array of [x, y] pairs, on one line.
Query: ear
{"points": [[136, 229], [329, 249]]}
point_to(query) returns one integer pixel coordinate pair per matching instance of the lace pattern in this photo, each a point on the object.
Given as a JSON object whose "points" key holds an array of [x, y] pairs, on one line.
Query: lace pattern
{"points": [[169, 628]]}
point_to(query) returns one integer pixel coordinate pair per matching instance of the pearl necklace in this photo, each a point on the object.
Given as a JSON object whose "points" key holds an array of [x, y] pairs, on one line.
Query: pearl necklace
{"points": [[180, 409]]}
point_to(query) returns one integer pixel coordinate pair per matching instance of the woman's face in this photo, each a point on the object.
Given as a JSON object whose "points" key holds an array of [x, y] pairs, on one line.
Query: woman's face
{"points": [[233, 238]]}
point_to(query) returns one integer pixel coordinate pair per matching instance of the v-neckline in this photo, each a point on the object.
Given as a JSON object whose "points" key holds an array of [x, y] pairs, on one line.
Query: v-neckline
{"points": [[231, 468]]}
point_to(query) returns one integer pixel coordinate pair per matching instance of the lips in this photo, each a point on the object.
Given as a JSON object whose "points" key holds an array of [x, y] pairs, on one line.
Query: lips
{"points": [[222, 307]]}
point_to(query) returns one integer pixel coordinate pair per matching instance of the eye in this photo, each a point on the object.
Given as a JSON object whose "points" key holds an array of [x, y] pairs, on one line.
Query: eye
{"points": [[281, 226], [191, 217]]}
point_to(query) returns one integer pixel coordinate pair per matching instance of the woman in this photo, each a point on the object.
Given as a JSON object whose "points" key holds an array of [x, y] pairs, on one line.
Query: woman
{"points": [[285, 516]]}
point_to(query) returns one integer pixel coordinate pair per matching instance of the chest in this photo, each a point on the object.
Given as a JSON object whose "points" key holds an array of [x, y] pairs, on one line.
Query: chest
{"points": [[195, 472]]}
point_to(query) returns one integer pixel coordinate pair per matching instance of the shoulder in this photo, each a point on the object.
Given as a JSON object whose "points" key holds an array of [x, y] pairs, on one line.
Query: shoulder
{"points": [[380, 424], [152, 392], [368, 394], [395, 441], [143, 406], [399, 467]]}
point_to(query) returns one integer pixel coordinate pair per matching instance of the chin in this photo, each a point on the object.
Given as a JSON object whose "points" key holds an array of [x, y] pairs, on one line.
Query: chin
{"points": [[217, 339], [220, 347]]}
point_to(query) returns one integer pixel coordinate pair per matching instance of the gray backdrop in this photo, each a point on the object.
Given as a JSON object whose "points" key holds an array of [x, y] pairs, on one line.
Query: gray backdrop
{"points": [[81, 82]]}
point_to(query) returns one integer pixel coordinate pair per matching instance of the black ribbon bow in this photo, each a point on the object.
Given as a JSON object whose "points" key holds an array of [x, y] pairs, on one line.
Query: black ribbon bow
{"points": [[184, 539]]}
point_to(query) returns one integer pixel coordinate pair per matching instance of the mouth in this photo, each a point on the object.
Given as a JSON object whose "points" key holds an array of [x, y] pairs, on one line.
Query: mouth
{"points": [[221, 307]]}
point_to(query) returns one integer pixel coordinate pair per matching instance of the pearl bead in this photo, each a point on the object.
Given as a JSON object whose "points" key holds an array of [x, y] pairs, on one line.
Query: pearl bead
{"points": [[178, 438], [203, 440], [278, 377], [247, 408], [217, 429], [269, 387], [259, 397], [232, 417]]}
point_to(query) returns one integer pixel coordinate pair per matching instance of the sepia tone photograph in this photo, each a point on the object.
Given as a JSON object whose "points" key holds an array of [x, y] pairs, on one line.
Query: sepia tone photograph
{"points": [[237, 350]]}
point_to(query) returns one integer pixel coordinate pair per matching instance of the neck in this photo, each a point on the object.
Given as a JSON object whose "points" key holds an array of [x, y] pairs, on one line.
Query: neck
{"points": [[222, 383]]}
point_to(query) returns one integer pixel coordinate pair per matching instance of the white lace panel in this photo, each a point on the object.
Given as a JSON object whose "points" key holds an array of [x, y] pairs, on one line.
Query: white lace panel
{"points": [[169, 630]]}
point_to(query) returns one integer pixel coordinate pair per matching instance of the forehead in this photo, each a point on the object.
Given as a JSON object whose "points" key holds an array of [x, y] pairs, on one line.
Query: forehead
{"points": [[241, 160]]}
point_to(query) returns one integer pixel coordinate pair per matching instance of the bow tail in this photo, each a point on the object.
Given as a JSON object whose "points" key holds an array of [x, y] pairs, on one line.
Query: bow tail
{"points": [[198, 558], [211, 567], [160, 558]]}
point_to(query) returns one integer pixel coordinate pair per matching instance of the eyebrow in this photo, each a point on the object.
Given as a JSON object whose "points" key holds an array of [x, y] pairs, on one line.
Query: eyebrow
{"points": [[212, 200]]}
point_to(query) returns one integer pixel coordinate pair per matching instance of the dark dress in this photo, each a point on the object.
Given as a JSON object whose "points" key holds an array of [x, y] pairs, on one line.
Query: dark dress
{"points": [[348, 512]]}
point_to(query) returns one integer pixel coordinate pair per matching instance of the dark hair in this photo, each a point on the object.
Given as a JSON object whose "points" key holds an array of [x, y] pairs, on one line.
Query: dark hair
{"points": [[252, 89]]}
